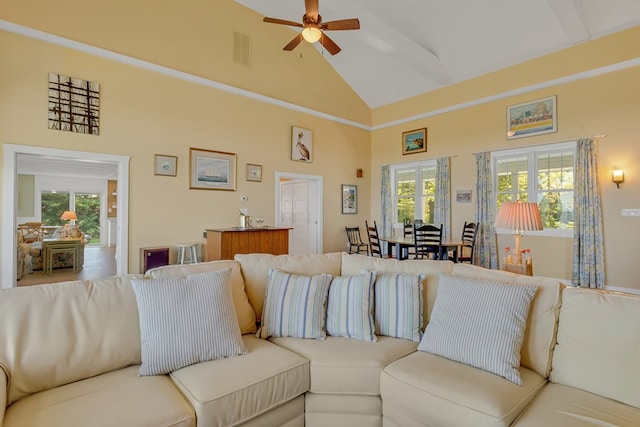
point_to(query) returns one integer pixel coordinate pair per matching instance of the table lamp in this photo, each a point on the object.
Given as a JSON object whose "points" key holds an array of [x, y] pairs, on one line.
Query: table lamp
{"points": [[69, 216], [519, 217]]}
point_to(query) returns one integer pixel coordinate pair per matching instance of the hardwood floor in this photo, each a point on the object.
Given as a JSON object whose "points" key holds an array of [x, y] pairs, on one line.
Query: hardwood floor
{"points": [[99, 262]]}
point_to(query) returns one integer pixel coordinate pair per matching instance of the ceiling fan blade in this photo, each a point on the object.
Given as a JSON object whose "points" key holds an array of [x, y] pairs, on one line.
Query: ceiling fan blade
{"points": [[342, 24], [281, 21], [329, 44], [311, 6], [293, 43]]}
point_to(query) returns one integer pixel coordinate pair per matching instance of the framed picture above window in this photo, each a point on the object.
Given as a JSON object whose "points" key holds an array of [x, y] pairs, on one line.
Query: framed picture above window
{"points": [[212, 170], [414, 141], [532, 118], [349, 199]]}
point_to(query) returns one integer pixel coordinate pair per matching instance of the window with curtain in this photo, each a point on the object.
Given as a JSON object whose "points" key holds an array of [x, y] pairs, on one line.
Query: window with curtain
{"points": [[544, 174], [414, 191]]}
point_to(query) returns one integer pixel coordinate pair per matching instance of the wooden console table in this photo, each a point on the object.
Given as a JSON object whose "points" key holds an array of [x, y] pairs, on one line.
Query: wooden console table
{"points": [[224, 243]]}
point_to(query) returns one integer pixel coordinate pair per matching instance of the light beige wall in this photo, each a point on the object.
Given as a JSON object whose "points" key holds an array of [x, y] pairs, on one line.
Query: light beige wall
{"points": [[607, 104], [144, 113]]}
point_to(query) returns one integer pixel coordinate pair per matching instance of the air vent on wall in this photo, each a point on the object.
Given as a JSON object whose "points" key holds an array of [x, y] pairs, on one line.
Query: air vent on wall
{"points": [[241, 49]]}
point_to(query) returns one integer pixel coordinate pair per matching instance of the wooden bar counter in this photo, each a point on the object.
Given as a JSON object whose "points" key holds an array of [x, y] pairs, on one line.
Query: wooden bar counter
{"points": [[224, 243]]}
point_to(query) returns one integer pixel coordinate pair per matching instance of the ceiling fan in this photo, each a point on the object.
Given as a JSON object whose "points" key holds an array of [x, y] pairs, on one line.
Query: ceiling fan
{"points": [[313, 28]]}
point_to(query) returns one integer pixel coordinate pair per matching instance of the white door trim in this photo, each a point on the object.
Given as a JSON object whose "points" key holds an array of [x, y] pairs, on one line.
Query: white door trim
{"points": [[9, 197], [319, 209]]}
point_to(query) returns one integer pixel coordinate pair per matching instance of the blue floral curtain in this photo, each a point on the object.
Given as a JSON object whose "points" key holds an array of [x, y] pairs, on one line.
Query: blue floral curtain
{"points": [[386, 197], [588, 246], [485, 253], [442, 205]]}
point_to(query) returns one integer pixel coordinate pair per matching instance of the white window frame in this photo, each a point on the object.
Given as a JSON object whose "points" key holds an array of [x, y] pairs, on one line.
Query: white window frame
{"points": [[394, 169], [532, 176]]}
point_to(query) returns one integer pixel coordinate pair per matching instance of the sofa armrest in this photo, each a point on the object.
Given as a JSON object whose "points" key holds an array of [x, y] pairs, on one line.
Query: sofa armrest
{"points": [[3, 393]]}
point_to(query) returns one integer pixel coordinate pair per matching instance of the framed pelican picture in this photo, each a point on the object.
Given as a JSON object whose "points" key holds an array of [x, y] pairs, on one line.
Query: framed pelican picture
{"points": [[301, 145], [414, 141]]}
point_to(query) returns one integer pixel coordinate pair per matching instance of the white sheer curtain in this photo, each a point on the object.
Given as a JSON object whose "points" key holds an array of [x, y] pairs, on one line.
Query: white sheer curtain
{"points": [[485, 252], [387, 207], [588, 246], [442, 205]]}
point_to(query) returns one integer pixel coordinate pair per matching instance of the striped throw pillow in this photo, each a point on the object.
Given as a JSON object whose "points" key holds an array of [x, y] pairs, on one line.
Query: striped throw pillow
{"points": [[295, 306], [186, 320], [350, 307], [398, 305], [479, 323]]}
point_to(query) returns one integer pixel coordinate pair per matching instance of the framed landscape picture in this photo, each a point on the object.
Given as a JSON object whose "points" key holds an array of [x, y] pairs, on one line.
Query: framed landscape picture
{"points": [[414, 141], [212, 170], [532, 118]]}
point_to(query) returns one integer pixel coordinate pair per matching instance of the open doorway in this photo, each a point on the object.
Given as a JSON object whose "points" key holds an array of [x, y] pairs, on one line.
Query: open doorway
{"points": [[10, 198], [299, 206]]}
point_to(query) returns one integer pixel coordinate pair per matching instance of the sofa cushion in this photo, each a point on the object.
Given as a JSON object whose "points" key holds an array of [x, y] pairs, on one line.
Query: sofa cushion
{"points": [[244, 311], [295, 306], [118, 398], [599, 343], [423, 386], [255, 270], [344, 366], [431, 270], [350, 307], [322, 410], [479, 323], [542, 322], [399, 307], [231, 391], [186, 320], [85, 328], [560, 405]]}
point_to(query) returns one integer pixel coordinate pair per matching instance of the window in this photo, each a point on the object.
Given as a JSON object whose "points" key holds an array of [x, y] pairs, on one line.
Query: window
{"points": [[539, 174], [414, 191], [53, 205]]}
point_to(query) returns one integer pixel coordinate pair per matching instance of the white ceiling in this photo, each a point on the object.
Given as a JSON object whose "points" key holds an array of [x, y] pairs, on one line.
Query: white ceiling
{"points": [[30, 164], [408, 47]]}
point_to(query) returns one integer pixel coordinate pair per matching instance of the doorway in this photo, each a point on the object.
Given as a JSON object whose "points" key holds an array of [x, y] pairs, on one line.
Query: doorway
{"points": [[9, 224], [299, 206]]}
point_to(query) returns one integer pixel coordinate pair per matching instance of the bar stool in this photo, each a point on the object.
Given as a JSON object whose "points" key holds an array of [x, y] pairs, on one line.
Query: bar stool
{"points": [[191, 249]]}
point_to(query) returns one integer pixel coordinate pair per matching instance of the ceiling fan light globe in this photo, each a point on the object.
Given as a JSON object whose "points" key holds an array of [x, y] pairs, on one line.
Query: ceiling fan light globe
{"points": [[311, 34]]}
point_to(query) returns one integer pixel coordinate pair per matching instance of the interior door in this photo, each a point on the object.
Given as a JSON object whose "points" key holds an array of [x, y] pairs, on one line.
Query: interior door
{"points": [[294, 196]]}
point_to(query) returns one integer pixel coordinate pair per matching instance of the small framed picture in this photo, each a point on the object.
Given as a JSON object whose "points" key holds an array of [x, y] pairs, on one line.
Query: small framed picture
{"points": [[414, 141], [532, 118], [212, 170], [254, 172], [166, 165], [349, 199], [463, 196], [301, 144]]}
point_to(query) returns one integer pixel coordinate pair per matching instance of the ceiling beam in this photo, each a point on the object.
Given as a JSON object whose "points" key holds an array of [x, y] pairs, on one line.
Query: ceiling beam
{"points": [[570, 16]]}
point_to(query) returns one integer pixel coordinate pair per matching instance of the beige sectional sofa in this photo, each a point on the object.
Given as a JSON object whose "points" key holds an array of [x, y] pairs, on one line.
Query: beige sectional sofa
{"points": [[70, 354]]}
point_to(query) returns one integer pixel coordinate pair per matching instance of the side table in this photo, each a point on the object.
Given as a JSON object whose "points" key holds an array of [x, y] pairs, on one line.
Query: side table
{"points": [[51, 247]]}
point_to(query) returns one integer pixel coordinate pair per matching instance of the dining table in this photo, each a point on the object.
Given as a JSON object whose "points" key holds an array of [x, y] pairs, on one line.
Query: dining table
{"points": [[401, 244]]}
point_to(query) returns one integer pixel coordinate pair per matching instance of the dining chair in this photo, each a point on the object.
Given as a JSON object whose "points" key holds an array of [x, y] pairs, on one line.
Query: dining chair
{"points": [[469, 231], [356, 245], [374, 240], [428, 241], [407, 228]]}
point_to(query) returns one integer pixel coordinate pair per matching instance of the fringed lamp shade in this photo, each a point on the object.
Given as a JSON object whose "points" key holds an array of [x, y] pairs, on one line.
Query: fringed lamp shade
{"points": [[519, 217]]}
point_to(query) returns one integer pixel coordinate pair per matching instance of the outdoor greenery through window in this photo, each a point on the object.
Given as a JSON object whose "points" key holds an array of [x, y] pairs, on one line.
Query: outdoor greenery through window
{"points": [[414, 192], [86, 207], [544, 175]]}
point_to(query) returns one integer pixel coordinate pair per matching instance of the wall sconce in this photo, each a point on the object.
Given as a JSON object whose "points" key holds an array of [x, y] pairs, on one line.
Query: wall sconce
{"points": [[617, 176]]}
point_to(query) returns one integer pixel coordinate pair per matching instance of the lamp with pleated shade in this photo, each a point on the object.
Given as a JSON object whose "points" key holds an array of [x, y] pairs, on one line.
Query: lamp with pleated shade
{"points": [[519, 217], [69, 216]]}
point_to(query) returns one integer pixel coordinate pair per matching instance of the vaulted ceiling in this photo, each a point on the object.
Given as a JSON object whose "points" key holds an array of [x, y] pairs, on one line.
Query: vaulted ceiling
{"points": [[408, 47]]}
